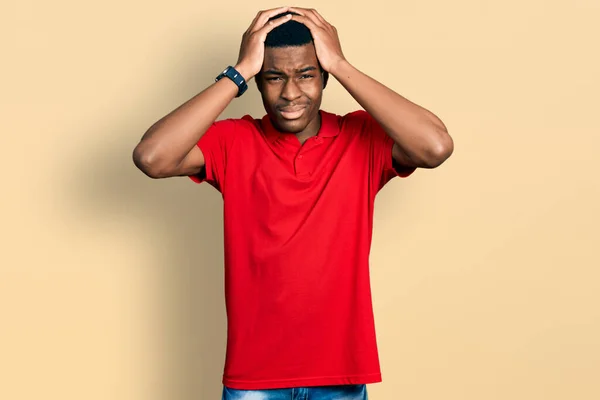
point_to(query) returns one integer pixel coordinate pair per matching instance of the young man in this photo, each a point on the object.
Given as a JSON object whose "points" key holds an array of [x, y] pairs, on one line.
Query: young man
{"points": [[298, 186]]}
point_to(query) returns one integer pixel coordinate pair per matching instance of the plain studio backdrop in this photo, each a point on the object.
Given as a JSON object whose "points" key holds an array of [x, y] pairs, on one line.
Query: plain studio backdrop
{"points": [[485, 271]]}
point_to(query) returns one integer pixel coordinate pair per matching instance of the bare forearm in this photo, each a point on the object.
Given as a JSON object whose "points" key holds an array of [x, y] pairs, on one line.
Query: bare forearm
{"points": [[171, 138], [417, 131], [168, 147]]}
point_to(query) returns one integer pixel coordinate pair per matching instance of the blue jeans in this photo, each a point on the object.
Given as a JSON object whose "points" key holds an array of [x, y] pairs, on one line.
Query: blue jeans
{"points": [[340, 392]]}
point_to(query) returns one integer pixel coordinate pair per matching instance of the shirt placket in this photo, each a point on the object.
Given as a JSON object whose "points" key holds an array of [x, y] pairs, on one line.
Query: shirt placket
{"points": [[302, 166]]}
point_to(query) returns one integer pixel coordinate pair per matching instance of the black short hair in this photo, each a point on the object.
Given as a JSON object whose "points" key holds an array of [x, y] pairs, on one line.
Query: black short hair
{"points": [[289, 34]]}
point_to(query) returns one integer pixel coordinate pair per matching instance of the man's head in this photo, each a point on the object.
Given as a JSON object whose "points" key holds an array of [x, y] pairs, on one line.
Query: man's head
{"points": [[291, 81]]}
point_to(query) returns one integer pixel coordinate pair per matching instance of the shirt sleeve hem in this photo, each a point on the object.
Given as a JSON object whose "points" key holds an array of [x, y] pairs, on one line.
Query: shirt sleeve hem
{"points": [[204, 175], [391, 165]]}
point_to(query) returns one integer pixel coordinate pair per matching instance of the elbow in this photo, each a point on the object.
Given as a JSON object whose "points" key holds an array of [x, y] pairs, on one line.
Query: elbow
{"points": [[440, 151], [147, 161]]}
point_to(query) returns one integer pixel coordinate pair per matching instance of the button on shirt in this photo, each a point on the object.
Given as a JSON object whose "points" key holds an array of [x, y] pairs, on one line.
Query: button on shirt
{"points": [[298, 224]]}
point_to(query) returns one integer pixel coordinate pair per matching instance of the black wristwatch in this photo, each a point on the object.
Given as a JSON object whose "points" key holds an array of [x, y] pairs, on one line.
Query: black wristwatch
{"points": [[236, 77]]}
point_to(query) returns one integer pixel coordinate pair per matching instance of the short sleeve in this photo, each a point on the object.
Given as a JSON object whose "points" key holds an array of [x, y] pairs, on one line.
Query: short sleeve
{"points": [[383, 167], [216, 145]]}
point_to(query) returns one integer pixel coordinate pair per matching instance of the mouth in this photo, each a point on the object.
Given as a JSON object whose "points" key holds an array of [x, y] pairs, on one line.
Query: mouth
{"points": [[294, 112]]}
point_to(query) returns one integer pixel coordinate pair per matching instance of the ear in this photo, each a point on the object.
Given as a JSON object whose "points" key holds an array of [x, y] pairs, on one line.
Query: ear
{"points": [[324, 74], [325, 77], [258, 80]]}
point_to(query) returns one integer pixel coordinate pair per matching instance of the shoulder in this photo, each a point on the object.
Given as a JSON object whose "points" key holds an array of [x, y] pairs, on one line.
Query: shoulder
{"points": [[246, 122], [252, 127], [353, 119], [352, 122], [235, 128], [356, 115]]}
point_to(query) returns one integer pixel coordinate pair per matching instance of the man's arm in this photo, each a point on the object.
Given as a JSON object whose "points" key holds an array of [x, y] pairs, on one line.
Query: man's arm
{"points": [[421, 139], [169, 147]]}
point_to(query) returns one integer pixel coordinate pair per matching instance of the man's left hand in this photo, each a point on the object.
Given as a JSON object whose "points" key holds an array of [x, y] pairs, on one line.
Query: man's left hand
{"points": [[325, 36]]}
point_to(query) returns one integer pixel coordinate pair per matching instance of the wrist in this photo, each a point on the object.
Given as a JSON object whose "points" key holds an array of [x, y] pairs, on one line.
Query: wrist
{"points": [[244, 71], [340, 68]]}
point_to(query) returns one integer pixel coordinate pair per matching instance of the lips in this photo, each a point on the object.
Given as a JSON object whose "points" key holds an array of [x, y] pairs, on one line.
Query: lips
{"points": [[293, 112]]}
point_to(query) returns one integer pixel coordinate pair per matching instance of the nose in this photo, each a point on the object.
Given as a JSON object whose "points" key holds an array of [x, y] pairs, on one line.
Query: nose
{"points": [[290, 90]]}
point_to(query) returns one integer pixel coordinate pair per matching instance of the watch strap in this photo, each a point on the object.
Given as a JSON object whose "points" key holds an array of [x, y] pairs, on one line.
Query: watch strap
{"points": [[237, 78]]}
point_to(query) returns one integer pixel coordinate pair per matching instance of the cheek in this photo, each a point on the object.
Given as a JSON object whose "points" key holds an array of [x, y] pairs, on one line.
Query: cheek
{"points": [[269, 95], [313, 89], [315, 94]]}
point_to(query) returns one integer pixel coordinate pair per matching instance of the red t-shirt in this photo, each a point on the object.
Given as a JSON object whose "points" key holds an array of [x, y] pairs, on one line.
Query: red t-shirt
{"points": [[298, 224]]}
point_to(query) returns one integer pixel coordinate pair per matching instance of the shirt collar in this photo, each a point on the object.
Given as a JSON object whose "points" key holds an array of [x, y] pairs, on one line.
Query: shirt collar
{"points": [[329, 127]]}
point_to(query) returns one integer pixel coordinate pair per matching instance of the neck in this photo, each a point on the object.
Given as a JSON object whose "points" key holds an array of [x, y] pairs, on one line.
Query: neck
{"points": [[312, 129]]}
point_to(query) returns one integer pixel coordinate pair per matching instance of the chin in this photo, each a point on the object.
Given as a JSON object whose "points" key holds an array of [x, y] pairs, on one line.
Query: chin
{"points": [[291, 126], [294, 125]]}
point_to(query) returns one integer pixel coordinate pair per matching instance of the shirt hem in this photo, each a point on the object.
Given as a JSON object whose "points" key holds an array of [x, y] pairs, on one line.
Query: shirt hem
{"points": [[302, 382]]}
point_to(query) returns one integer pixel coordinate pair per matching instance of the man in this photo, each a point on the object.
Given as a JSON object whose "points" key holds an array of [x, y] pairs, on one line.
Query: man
{"points": [[298, 187]]}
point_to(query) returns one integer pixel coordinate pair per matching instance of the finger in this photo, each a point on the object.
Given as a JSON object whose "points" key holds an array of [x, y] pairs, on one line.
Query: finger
{"points": [[307, 13], [254, 21], [270, 25], [264, 17], [320, 17], [299, 10], [251, 26], [310, 24]]}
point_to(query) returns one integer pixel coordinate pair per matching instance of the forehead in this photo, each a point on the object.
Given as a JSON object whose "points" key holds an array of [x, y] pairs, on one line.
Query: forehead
{"points": [[290, 58]]}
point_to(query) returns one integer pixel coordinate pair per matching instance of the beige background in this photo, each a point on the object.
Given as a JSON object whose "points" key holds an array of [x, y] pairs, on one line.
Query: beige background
{"points": [[485, 271]]}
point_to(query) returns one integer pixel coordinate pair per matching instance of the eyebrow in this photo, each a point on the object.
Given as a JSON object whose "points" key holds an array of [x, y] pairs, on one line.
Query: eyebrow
{"points": [[299, 71]]}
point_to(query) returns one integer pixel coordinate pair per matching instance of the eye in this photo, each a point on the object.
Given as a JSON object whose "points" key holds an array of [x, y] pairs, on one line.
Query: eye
{"points": [[306, 76], [273, 78]]}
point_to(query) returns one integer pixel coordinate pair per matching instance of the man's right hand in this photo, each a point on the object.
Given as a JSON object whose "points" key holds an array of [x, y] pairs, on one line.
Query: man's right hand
{"points": [[169, 146], [252, 49]]}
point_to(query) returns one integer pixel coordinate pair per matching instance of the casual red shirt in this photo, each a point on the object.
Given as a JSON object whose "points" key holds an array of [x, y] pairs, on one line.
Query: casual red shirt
{"points": [[297, 225]]}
